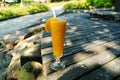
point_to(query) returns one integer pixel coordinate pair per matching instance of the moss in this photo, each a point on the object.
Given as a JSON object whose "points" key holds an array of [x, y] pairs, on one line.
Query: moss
{"points": [[31, 71], [24, 75]]}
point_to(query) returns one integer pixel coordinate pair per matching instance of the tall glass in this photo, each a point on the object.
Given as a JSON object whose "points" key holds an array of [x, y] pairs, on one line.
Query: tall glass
{"points": [[58, 29]]}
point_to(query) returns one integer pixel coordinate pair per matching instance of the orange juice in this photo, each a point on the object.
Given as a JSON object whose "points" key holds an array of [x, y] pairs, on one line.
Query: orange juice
{"points": [[58, 32]]}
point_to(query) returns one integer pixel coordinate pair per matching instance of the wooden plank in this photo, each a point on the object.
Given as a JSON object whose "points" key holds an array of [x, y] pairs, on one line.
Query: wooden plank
{"points": [[70, 50], [88, 30], [74, 49], [82, 31], [109, 15], [68, 60], [46, 41], [93, 27], [80, 42], [107, 72], [77, 70]]}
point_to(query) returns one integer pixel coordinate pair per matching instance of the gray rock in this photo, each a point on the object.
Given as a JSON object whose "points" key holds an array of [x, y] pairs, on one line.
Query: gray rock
{"points": [[4, 62], [28, 47], [13, 37]]}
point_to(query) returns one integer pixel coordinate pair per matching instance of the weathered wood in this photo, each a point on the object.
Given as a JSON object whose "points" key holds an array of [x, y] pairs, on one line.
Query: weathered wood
{"points": [[107, 72], [77, 49], [77, 70], [82, 33], [107, 15], [78, 56], [87, 48], [46, 41], [93, 27], [87, 31], [79, 44]]}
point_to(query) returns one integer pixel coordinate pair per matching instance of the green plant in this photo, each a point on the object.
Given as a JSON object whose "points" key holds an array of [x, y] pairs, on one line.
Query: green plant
{"points": [[99, 5], [6, 13], [69, 6], [108, 4], [76, 5], [37, 8], [15, 10], [84, 4], [28, 1], [90, 2], [13, 4]]}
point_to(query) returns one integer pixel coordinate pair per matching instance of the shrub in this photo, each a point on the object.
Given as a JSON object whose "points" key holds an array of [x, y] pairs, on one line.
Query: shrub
{"points": [[90, 2], [6, 13], [99, 5], [83, 4], [37, 8], [57, 0], [108, 4], [76, 5], [69, 6], [14, 11]]}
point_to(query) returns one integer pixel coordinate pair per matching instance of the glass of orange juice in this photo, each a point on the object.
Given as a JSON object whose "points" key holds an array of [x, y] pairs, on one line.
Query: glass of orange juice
{"points": [[58, 29]]}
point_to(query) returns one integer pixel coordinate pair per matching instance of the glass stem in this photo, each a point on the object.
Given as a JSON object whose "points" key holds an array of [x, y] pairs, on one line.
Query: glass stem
{"points": [[58, 60]]}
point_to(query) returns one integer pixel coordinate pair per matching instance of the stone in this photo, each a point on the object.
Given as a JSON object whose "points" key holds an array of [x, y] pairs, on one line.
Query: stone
{"points": [[33, 31], [29, 47], [4, 62], [18, 48], [10, 38], [13, 38], [28, 42], [32, 71]]}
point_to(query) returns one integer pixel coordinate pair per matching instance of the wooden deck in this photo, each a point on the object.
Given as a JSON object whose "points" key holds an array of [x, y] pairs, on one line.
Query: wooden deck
{"points": [[91, 51], [107, 15]]}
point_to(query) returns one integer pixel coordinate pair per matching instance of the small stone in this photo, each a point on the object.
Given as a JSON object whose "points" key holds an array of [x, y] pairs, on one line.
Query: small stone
{"points": [[31, 71]]}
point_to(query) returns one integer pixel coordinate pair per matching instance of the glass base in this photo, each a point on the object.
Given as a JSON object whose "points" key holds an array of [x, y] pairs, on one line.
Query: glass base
{"points": [[57, 66]]}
